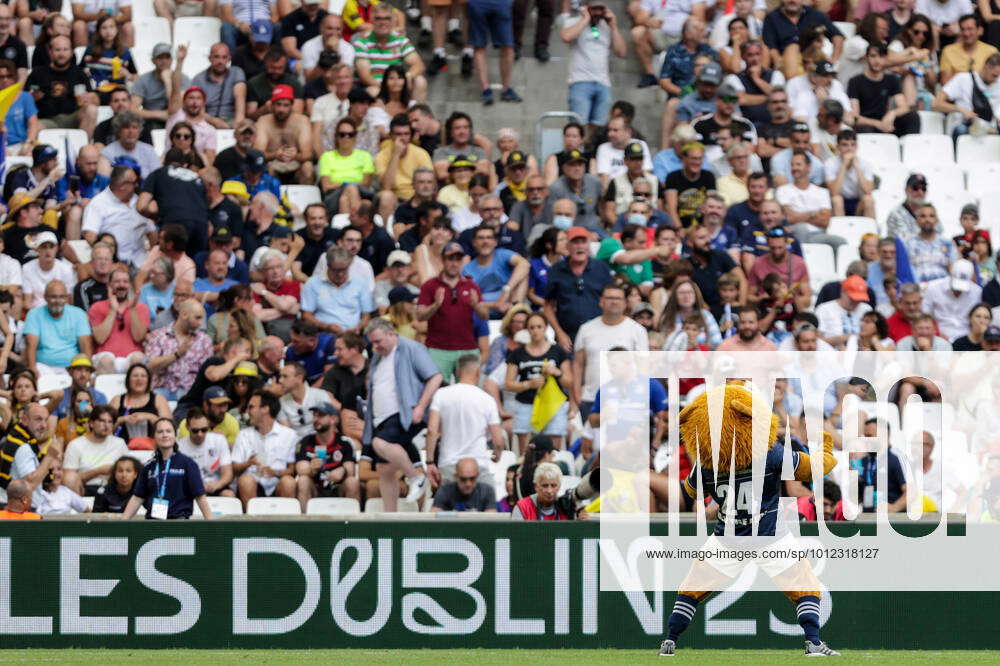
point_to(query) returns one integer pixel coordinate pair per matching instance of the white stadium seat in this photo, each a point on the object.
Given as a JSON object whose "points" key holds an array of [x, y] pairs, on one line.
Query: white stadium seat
{"points": [[159, 141], [104, 113], [845, 255], [151, 30], [885, 201], [494, 326], [848, 29], [931, 122], [879, 148], [989, 217], [891, 177], [82, 249], [568, 483], [507, 458], [980, 179], [820, 261], [943, 178], [274, 506], [927, 147], [852, 228], [223, 506], [78, 54], [48, 383], [374, 505], [196, 61], [142, 9], [57, 139], [89, 501], [202, 31], [332, 506], [224, 138], [301, 196], [110, 385], [949, 209], [977, 149]]}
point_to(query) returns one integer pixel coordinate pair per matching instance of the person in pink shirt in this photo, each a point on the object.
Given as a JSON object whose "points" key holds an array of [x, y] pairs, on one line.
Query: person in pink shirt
{"points": [[172, 244], [748, 337], [120, 324], [790, 267]]}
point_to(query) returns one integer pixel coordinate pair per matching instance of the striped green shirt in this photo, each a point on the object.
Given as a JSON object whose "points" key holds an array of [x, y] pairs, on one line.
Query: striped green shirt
{"points": [[381, 56]]}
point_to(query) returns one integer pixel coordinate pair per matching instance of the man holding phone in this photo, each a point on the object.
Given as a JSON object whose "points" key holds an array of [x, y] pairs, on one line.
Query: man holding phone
{"points": [[592, 37]]}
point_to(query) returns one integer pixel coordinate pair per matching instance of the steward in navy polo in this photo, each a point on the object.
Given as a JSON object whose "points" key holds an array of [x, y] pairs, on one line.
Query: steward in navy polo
{"points": [[177, 480]]}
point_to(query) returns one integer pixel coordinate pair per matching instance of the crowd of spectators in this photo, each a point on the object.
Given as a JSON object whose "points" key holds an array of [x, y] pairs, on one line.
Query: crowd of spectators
{"points": [[443, 282]]}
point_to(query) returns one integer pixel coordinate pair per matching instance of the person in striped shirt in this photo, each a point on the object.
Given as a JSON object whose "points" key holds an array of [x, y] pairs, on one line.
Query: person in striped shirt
{"points": [[382, 47]]}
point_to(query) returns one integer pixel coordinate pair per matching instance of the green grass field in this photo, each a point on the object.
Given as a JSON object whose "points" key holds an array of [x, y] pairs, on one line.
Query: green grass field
{"points": [[477, 657]]}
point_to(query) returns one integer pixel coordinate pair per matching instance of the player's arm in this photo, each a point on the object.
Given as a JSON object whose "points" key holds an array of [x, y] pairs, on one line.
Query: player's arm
{"points": [[803, 471]]}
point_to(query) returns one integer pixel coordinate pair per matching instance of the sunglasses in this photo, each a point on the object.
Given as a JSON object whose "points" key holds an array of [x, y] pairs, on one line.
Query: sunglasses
{"points": [[198, 431], [918, 188], [535, 189], [185, 135], [346, 135], [729, 100]]}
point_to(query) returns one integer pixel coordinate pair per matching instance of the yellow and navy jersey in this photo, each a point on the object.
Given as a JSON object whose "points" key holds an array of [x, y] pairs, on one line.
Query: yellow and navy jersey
{"points": [[741, 490]]}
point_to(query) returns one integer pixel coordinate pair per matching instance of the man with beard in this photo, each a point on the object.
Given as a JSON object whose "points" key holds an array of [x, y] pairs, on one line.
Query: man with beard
{"points": [[709, 265], [224, 85], [209, 449], [230, 161], [64, 98], [790, 267], [720, 237], [753, 242], [261, 87], [127, 127], [120, 324], [215, 405], [318, 237], [324, 460], [285, 138], [807, 206], [748, 337], [536, 208]]}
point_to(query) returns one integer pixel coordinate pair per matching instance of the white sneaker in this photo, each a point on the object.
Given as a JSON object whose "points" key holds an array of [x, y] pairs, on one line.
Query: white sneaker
{"points": [[417, 486], [821, 650]]}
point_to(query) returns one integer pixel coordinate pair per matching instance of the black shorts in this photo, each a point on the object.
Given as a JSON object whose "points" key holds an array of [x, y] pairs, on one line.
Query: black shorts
{"points": [[391, 430]]}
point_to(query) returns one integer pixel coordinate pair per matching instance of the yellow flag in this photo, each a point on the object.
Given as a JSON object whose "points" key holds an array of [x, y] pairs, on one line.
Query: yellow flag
{"points": [[7, 98], [548, 400]]}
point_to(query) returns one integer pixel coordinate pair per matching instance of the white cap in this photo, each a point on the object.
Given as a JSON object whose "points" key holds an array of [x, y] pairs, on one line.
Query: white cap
{"points": [[961, 275], [399, 256], [46, 237]]}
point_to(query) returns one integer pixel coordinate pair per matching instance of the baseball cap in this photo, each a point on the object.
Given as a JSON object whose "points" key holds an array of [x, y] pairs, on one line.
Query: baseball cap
{"points": [[194, 89], [80, 361], [161, 49], [399, 257], [800, 127], [42, 153], [961, 275], [634, 151], [916, 179], [126, 161], [261, 30], [46, 237], [452, 248], [777, 232], [517, 158], [400, 295], [282, 91], [215, 394], [324, 407], [727, 90], [571, 156], [642, 307], [577, 232], [970, 209], [462, 162], [280, 231], [235, 187], [992, 334], [825, 68], [17, 202], [246, 369], [855, 287], [254, 161], [359, 95], [244, 125], [710, 73], [222, 235]]}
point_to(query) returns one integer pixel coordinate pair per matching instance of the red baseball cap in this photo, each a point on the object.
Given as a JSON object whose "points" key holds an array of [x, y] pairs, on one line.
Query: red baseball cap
{"points": [[195, 89], [577, 232], [282, 91]]}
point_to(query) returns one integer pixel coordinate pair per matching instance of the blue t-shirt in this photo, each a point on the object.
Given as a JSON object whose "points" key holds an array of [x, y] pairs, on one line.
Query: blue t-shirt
{"points": [[493, 276], [318, 359], [180, 484], [156, 300], [204, 284], [57, 338], [17, 118], [267, 183]]}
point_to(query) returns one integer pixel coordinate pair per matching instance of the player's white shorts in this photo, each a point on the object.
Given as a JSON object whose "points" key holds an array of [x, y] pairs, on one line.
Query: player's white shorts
{"points": [[780, 554]]}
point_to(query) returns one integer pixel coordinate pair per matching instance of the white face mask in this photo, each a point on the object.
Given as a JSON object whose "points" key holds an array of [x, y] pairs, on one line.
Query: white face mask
{"points": [[562, 222], [637, 218]]}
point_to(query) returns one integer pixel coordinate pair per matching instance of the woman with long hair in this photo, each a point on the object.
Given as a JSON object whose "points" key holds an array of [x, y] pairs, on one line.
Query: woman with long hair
{"points": [[182, 137], [980, 317], [513, 321], [346, 172], [528, 368], [395, 91], [402, 314], [138, 408], [24, 391], [730, 56], [235, 299], [685, 299], [912, 55], [168, 496], [427, 257], [549, 249], [114, 495], [107, 60], [873, 333], [74, 424]]}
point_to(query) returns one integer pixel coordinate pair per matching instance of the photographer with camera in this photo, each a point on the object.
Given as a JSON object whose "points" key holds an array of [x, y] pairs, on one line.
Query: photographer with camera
{"points": [[547, 504], [592, 37], [326, 49]]}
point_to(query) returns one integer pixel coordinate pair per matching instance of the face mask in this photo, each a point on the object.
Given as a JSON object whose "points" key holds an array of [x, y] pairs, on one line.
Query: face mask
{"points": [[562, 222], [637, 218], [84, 406]]}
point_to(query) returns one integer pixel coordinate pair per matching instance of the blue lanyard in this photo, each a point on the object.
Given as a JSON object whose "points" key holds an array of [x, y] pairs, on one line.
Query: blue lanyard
{"points": [[162, 484]]}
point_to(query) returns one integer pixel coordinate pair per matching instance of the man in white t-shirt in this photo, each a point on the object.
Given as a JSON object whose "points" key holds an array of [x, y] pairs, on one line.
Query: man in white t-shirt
{"points": [[950, 299], [460, 417], [299, 399], [955, 97], [328, 39], [806, 90], [611, 330], [47, 267], [807, 207], [90, 456], [840, 318], [264, 455], [849, 178], [611, 154], [211, 451]]}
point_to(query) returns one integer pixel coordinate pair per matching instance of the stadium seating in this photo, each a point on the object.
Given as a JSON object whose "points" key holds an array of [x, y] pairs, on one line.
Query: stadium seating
{"points": [[942, 178], [931, 122], [57, 138], [202, 31], [52, 382], [150, 31], [845, 255], [568, 483], [375, 505], [851, 229], [879, 148], [224, 138], [332, 506], [921, 148], [223, 506], [142, 456], [301, 196], [977, 149], [273, 506], [885, 201], [159, 141], [507, 458], [110, 385], [949, 209], [822, 266], [981, 179], [142, 9]]}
